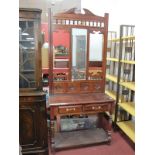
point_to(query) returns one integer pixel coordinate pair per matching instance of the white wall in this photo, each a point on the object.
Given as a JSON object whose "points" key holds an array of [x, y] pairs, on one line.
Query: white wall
{"points": [[59, 5], [120, 11]]}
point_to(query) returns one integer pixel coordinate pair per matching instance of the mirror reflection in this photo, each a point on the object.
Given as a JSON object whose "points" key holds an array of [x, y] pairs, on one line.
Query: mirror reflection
{"points": [[79, 48], [95, 56]]}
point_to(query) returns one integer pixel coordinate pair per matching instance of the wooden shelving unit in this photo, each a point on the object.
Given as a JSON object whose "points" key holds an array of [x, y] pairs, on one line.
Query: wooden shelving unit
{"points": [[125, 109]]}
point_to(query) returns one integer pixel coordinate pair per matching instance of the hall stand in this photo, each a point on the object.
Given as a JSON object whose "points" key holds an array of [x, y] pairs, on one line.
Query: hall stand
{"points": [[77, 83]]}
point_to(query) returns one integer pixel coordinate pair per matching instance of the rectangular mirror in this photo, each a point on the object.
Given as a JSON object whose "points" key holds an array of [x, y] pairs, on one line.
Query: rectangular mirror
{"points": [[95, 56], [79, 48]]}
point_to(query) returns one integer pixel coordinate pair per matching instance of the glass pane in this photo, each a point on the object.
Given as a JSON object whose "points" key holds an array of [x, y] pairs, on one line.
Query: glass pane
{"points": [[95, 48], [79, 47], [26, 55], [95, 56]]}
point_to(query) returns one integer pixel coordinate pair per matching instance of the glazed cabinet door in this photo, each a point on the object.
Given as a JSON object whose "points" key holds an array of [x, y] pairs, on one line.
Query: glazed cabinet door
{"points": [[26, 55], [29, 49]]}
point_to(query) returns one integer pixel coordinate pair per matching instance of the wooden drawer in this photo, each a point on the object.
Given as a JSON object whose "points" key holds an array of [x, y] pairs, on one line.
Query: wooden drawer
{"points": [[96, 107], [32, 98], [70, 109]]}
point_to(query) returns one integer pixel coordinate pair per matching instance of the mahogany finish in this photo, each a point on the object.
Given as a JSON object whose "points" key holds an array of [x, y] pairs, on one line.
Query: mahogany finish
{"points": [[32, 100], [68, 20], [82, 104], [80, 97], [81, 86], [32, 123]]}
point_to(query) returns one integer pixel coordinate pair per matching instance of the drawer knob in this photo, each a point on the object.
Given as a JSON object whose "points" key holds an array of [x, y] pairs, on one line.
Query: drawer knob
{"points": [[70, 109]]}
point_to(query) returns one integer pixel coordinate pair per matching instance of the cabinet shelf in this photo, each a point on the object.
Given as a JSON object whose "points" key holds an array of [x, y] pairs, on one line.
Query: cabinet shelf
{"points": [[128, 128], [113, 59], [128, 106], [26, 41], [128, 61], [123, 38], [112, 94], [28, 48], [128, 37], [111, 78], [61, 57], [129, 85], [59, 60], [26, 71]]}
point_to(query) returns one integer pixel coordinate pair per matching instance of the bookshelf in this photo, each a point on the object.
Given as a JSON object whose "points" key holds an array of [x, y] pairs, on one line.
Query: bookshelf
{"points": [[125, 107]]}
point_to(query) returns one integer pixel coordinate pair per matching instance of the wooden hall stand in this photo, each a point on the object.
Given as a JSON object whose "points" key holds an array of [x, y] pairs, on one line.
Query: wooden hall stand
{"points": [[82, 92]]}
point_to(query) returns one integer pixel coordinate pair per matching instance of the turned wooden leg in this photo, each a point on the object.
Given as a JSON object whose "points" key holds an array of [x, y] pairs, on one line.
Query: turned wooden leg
{"points": [[109, 128], [58, 123]]}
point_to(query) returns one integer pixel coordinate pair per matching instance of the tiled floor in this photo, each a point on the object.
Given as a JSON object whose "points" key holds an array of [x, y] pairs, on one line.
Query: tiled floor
{"points": [[120, 145]]}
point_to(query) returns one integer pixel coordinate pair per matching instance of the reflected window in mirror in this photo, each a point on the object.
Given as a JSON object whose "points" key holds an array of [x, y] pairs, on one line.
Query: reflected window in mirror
{"points": [[79, 53], [95, 56]]}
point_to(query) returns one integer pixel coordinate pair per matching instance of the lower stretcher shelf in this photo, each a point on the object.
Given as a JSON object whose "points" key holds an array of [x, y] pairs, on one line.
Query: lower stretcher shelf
{"points": [[80, 138]]}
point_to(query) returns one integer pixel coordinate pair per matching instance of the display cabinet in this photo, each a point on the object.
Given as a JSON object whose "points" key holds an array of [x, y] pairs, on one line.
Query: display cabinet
{"points": [[32, 100], [77, 76]]}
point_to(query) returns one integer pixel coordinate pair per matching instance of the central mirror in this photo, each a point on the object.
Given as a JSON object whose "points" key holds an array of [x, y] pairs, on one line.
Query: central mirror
{"points": [[79, 53]]}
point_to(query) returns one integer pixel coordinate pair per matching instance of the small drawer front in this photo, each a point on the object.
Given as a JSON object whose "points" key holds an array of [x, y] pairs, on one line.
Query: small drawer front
{"points": [[32, 98], [70, 109], [98, 108]]}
